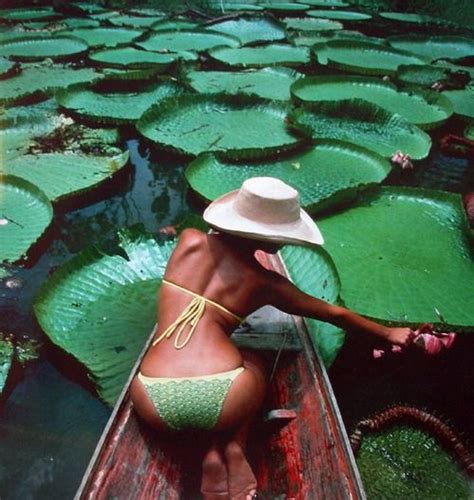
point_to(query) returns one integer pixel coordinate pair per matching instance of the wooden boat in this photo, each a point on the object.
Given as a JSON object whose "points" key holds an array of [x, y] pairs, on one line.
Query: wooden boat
{"points": [[302, 454]]}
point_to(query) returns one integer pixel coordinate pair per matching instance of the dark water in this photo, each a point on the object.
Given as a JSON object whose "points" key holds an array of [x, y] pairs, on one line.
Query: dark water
{"points": [[51, 421]]}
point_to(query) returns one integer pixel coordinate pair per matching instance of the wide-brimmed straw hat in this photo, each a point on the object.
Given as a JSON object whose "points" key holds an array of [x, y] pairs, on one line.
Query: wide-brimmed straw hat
{"points": [[265, 209]]}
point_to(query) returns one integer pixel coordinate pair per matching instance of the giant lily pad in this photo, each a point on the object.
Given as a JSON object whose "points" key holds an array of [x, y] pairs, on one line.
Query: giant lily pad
{"points": [[313, 272], [248, 29], [108, 37], [44, 79], [363, 57], [176, 23], [184, 40], [193, 124], [311, 24], [284, 7], [463, 101], [38, 48], [19, 125], [61, 175], [130, 57], [101, 308], [410, 463], [20, 15], [324, 174], [325, 3], [410, 18], [270, 83], [257, 57], [340, 15], [365, 124], [114, 107], [25, 213], [403, 256], [435, 47], [425, 76], [423, 109]]}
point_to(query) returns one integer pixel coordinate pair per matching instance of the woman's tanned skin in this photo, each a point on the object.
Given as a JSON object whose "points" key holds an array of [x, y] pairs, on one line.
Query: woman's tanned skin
{"points": [[223, 268]]}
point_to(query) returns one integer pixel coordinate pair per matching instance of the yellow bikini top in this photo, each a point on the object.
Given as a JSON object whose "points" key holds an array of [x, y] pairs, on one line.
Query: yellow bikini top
{"points": [[191, 315]]}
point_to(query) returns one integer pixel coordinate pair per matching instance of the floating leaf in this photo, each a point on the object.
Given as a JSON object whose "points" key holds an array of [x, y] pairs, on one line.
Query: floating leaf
{"points": [[79, 22], [61, 175], [469, 132], [409, 243], [313, 272], [409, 463], [114, 107], [257, 57], [425, 76], [130, 57], [37, 48], [250, 7], [363, 57], [177, 23], [184, 40], [192, 124], [364, 124], [108, 37], [101, 308], [311, 24], [406, 17], [25, 213], [423, 109], [326, 3], [339, 15], [435, 47], [270, 83], [462, 100], [324, 174], [44, 79], [248, 29]]}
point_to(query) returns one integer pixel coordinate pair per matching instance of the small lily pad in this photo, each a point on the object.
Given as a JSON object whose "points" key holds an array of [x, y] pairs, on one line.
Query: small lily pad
{"points": [[257, 57], [174, 24], [134, 21], [107, 37], [312, 24], [130, 57], [282, 7], [61, 175], [25, 213], [422, 109], [193, 124], [187, 40], [462, 100], [251, 29], [270, 83], [364, 57], [114, 107], [20, 15], [39, 48]]}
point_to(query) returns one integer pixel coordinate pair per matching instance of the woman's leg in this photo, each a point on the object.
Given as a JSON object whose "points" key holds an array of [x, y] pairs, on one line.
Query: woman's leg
{"points": [[240, 408]]}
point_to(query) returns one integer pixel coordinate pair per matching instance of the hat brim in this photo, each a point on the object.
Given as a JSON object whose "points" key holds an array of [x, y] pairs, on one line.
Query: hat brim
{"points": [[222, 215]]}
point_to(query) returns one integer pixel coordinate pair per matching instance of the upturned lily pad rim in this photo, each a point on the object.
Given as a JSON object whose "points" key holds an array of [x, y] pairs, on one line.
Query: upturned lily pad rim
{"points": [[196, 31], [311, 106], [10, 68], [240, 100], [84, 47]]}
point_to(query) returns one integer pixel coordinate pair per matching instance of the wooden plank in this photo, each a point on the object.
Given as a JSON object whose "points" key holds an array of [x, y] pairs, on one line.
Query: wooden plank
{"points": [[300, 458]]}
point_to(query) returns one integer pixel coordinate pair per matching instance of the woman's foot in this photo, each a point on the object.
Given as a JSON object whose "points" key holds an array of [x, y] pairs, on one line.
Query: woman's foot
{"points": [[241, 479], [214, 476]]}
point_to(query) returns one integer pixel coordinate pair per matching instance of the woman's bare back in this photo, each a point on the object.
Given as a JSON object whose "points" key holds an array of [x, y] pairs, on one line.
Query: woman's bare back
{"points": [[212, 266]]}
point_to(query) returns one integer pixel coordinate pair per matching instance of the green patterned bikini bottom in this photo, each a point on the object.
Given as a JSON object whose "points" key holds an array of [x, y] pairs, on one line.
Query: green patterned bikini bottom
{"points": [[190, 402]]}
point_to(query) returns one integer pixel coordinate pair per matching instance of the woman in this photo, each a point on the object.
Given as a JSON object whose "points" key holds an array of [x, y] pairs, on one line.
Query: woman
{"points": [[193, 376]]}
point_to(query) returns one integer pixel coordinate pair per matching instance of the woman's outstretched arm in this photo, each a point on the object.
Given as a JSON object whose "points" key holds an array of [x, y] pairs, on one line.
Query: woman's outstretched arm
{"points": [[287, 297]]}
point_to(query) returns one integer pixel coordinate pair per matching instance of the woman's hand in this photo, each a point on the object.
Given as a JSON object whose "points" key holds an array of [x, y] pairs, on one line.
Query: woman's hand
{"points": [[400, 336]]}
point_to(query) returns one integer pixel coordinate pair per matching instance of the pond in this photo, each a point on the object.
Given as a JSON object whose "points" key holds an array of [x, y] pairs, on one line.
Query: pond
{"points": [[52, 416]]}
